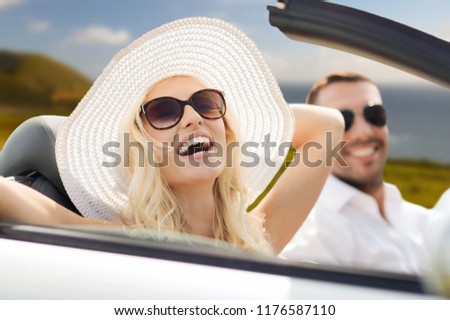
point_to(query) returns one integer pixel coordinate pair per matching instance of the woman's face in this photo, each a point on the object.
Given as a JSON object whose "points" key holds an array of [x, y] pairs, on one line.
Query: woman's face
{"points": [[198, 153]]}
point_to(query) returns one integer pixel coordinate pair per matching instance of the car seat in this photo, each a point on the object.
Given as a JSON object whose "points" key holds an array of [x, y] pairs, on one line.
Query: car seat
{"points": [[28, 157]]}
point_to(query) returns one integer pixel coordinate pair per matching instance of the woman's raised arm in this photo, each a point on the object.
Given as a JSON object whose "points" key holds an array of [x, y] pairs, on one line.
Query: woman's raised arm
{"points": [[318, 130]]}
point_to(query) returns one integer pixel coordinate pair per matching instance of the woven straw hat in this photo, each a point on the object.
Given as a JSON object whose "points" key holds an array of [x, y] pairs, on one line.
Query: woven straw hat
{"points": [[211, 50]]}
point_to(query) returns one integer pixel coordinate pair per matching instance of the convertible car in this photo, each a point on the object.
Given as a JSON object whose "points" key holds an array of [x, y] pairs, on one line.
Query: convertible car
{"points": [[106, 263]]}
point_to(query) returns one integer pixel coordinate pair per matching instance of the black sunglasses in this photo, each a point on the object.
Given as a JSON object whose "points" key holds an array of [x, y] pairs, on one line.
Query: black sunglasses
{"points": [[374, 114], [166, 112]]}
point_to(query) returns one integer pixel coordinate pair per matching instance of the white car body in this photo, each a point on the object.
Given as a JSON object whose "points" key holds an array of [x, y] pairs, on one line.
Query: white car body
{"points": [[55, 263]]}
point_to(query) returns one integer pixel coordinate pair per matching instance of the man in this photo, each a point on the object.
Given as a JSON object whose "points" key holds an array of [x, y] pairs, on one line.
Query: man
{"points": [[359, 220]]}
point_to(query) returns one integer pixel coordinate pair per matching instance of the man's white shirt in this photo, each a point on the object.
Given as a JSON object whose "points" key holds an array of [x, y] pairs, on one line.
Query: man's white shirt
{"points": [[346, 228]]}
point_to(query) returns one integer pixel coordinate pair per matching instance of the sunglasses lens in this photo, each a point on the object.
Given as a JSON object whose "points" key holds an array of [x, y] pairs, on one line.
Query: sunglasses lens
{"points": [[166, 112], [163, 113], [209, 104], [375, 115], [348, 118]]}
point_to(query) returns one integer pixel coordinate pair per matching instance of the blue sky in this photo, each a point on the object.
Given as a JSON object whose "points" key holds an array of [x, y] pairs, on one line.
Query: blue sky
{"points": [[87, 33]]}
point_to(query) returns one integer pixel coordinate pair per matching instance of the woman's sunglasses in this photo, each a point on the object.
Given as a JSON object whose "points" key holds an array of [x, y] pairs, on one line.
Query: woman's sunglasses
{"points": [[373, 113], [166, 112]]}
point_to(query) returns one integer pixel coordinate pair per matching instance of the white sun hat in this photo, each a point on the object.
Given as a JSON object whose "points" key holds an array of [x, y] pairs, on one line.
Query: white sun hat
{"points": [[212, 51]]}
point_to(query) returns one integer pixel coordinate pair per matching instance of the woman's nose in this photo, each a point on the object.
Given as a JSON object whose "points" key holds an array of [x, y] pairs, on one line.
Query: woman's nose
{"points": [[190, 117]]}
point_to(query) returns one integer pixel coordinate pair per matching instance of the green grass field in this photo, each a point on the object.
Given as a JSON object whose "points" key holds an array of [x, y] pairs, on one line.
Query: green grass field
{"points": [[420, 182]]}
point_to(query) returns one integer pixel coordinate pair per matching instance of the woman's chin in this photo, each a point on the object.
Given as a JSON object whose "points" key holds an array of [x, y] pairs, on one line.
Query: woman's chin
{"points": [[193, 173]]}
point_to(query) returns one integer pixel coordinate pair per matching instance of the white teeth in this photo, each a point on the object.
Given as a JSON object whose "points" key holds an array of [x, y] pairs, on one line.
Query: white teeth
{"points": [[185, 146], [364, 152]]}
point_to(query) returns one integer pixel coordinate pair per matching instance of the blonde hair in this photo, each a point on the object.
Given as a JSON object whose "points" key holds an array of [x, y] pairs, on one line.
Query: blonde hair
{"points": [[152, 204]]}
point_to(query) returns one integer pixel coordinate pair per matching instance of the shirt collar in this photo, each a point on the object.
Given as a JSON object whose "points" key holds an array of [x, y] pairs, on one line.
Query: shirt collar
{"points": [[336, 194], [392, 193]]}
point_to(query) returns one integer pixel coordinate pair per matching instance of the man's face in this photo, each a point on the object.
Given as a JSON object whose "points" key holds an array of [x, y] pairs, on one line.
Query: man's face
{"points": [[367, 148]]}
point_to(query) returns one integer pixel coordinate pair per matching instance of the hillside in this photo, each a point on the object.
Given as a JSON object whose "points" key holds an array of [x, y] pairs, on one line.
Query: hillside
{"points": [[34, 80]]}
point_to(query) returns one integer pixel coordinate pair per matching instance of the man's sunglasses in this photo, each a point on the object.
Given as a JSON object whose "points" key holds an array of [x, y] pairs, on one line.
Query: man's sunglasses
{"points": [[166, 112], [373, 113]]}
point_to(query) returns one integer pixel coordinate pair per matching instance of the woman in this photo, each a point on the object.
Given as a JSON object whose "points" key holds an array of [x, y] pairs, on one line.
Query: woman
{"points": [[156, 143]]}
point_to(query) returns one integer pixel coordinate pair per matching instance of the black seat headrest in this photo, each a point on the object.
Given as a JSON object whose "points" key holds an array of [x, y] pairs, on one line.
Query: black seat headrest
{"points": [[31, 148]]}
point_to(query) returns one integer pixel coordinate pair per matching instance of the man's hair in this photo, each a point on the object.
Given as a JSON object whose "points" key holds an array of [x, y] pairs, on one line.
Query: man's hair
{"points": [[333, 78]]}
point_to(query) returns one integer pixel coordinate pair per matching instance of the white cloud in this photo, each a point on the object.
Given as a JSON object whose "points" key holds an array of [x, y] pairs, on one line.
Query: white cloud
{"points": [[4, 4], [99, 35], [38, 26]]}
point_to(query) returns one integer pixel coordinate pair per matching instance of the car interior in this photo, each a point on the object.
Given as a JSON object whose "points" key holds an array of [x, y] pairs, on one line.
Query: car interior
{"points": [[28, 157]]}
